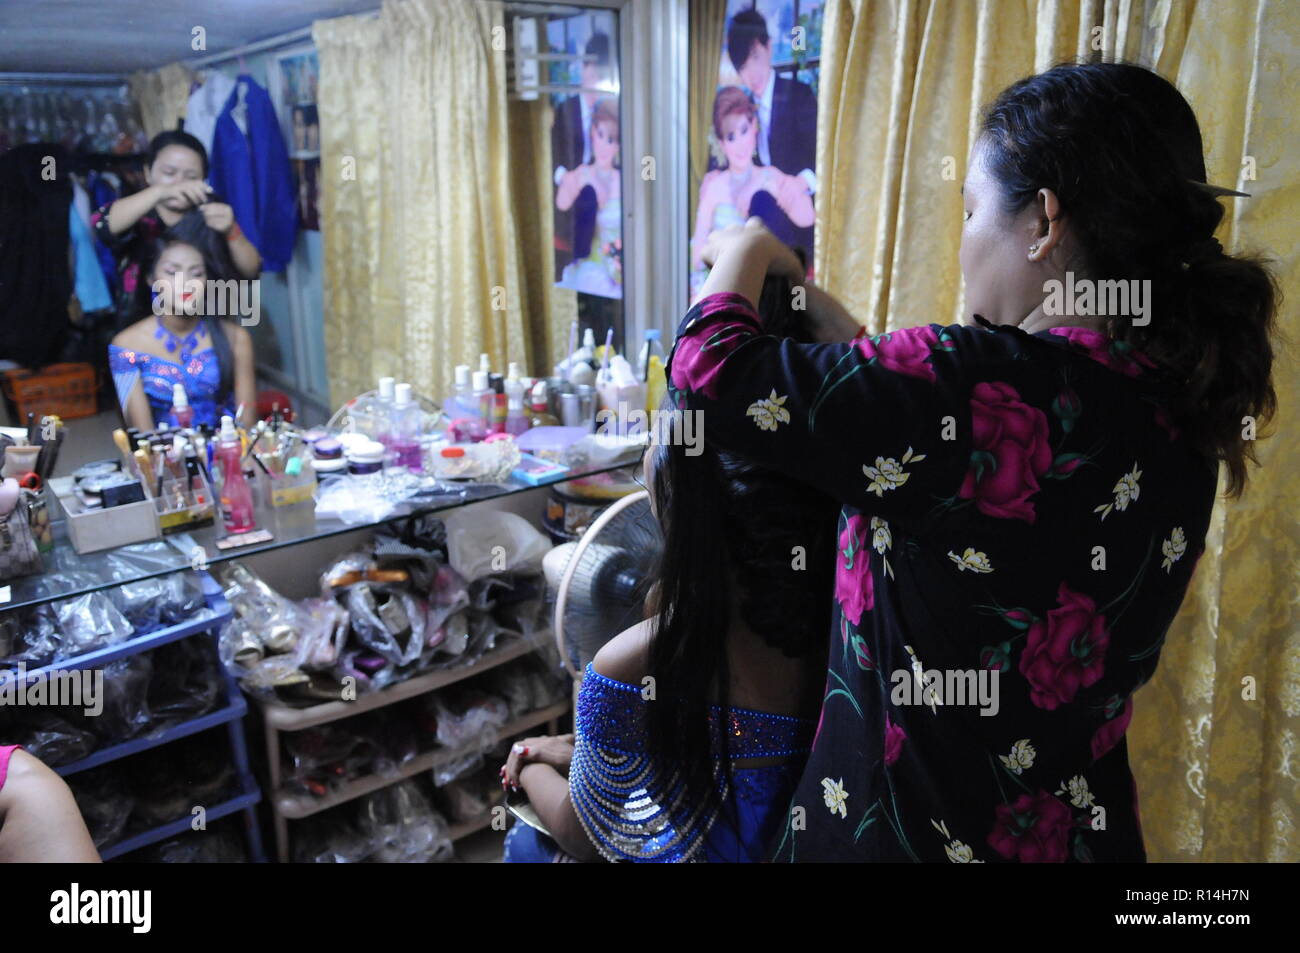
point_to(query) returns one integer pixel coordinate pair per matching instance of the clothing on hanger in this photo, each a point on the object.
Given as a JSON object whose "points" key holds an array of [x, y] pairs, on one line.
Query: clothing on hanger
{"points": [[250, 167], [88, 280], [205, 106]]}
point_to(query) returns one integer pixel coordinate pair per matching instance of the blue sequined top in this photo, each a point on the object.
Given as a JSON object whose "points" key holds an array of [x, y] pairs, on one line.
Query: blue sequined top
{"points": [[201, 375], [633, 810]]}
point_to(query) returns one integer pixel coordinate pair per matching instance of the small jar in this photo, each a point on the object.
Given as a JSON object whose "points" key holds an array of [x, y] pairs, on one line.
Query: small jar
{"points": [[327, 469], [327, 448], [366, 457]]}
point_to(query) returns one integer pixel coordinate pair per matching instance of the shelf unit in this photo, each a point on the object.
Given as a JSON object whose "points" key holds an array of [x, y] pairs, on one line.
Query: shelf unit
{"points": [[230, 714], [286, 806], [104, 570]]}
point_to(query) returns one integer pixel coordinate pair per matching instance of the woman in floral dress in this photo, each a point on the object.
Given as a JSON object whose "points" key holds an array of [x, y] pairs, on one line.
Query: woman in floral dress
{"points": [[1025, 495]]}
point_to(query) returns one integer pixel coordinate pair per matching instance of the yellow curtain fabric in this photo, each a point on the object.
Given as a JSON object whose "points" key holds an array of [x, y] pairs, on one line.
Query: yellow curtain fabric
{"points": [[421, 257], [1215, 740], [161, 95], [550, 310], [708, 27]]}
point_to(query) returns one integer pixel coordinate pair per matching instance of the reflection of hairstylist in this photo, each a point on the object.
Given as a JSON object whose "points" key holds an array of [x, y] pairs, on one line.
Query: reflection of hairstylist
{"points": [[176, 166]]}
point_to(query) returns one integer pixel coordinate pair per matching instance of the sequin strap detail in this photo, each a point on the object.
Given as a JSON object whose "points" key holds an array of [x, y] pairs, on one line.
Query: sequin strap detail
{"points": [[630, 810]]}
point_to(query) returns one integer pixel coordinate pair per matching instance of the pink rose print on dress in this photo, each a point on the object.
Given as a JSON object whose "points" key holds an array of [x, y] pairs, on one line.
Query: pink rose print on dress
{"points": [[1009, 452], [894, 738], [1065, 651], [1103, 349], [1033, 830], [854, 589], [905, 352], [1109, 734], [698, 358]]}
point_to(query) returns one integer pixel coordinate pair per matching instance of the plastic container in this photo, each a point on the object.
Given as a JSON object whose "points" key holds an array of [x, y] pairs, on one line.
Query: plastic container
{"points": [[61, 390], [366, 457]]}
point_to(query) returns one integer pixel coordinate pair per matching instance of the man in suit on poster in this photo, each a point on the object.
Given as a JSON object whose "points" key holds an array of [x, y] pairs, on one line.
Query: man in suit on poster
{"points": [[787, 116], [571, 147]]}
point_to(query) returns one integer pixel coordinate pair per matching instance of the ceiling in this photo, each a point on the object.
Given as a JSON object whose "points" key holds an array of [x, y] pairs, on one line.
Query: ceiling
{"points": [[120, 36]]}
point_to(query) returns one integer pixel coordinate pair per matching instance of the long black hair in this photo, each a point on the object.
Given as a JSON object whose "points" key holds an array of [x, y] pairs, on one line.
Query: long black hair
{"points": [[192, 229], [730, 531], [1121, 148]]}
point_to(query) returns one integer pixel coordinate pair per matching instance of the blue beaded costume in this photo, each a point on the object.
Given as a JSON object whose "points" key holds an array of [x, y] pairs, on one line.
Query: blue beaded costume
{"points": [[633, 810]]}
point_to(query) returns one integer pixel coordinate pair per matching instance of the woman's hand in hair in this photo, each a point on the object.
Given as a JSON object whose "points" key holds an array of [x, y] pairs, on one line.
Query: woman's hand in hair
{"points": [[742, 256], [192, 191], [555, 750], [219, 216]]}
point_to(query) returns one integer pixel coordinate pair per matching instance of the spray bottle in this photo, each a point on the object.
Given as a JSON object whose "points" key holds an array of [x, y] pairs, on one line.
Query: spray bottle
{"points": [[236, 495]]}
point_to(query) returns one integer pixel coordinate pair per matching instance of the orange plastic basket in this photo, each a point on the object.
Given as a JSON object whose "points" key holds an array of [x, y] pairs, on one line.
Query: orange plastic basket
{"points": [[62, 390]]}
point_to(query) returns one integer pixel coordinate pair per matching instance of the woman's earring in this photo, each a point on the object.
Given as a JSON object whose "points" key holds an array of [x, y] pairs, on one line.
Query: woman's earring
{"points": [[1033, 249]]}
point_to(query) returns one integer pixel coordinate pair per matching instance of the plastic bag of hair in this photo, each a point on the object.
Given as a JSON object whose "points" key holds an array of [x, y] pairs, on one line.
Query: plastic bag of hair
{"points": [[329, 838], [46, 735], [324, 634], [485, 542], [466, 799], [389, 623], [186, 682], [163, 793], [402, 826], [448, 596], [105, 803], [317, 757], [33, 638], [88, 622], [199, 847], [468, 717], [182, 598], [124, 700], [140, 603]]}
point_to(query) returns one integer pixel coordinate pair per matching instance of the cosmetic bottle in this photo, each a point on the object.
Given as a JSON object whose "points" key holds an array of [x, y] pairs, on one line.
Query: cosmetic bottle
{"points": [[405, 429], [500, 405], [480, 415], [236, 495], [381, 408], [458, 404], [182, 412], [650, 367], [539, 414]]}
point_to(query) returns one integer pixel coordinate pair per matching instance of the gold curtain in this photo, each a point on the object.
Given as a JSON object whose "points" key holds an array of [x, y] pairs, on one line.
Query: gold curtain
{"points": [[161, 95], [708, 27], [421, 263], [550, 310], [1215, 739]]}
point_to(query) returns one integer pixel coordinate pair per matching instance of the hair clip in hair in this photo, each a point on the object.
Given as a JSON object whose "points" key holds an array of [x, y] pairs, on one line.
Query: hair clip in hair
{"points": [[1218, 191]]}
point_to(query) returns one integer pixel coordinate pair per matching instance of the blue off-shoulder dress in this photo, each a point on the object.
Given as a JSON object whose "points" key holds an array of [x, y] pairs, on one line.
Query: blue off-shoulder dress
{"points": [[633, 810], [200, 375]]}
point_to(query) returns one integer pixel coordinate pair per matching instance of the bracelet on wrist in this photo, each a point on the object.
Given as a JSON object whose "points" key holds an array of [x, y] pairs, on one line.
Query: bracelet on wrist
{"points": [[234, 232]]}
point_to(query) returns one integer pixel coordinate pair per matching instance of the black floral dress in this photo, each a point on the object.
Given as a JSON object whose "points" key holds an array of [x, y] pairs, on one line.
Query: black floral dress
{"points": [[1021, 521]]}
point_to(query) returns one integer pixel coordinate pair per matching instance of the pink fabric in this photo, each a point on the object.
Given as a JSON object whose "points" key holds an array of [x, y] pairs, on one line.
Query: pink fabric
{"points": [[6, 751]]}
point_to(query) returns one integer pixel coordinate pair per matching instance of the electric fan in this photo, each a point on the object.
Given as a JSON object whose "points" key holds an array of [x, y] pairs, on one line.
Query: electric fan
{"points": [[600, 582]]}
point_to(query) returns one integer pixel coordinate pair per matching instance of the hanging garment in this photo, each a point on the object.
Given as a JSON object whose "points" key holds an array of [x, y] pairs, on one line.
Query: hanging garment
{"points": [[250, 166], [206, 105], [92, 290], [34, 282]]}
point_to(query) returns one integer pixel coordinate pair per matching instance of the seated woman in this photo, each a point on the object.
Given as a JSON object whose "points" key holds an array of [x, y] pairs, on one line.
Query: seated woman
{"points": [[692, 727], [175, 168], [178, 343], [39, 820]]}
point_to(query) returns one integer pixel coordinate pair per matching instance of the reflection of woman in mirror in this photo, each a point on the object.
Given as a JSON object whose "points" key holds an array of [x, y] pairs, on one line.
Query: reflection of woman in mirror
{"points": [[740, 189], [306, 129], [593, 191], [175, 168], [179, 341]]}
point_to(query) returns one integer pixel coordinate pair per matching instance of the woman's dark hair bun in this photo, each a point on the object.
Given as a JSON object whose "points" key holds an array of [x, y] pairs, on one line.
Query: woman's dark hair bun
{"points": [[1122, 150]]}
